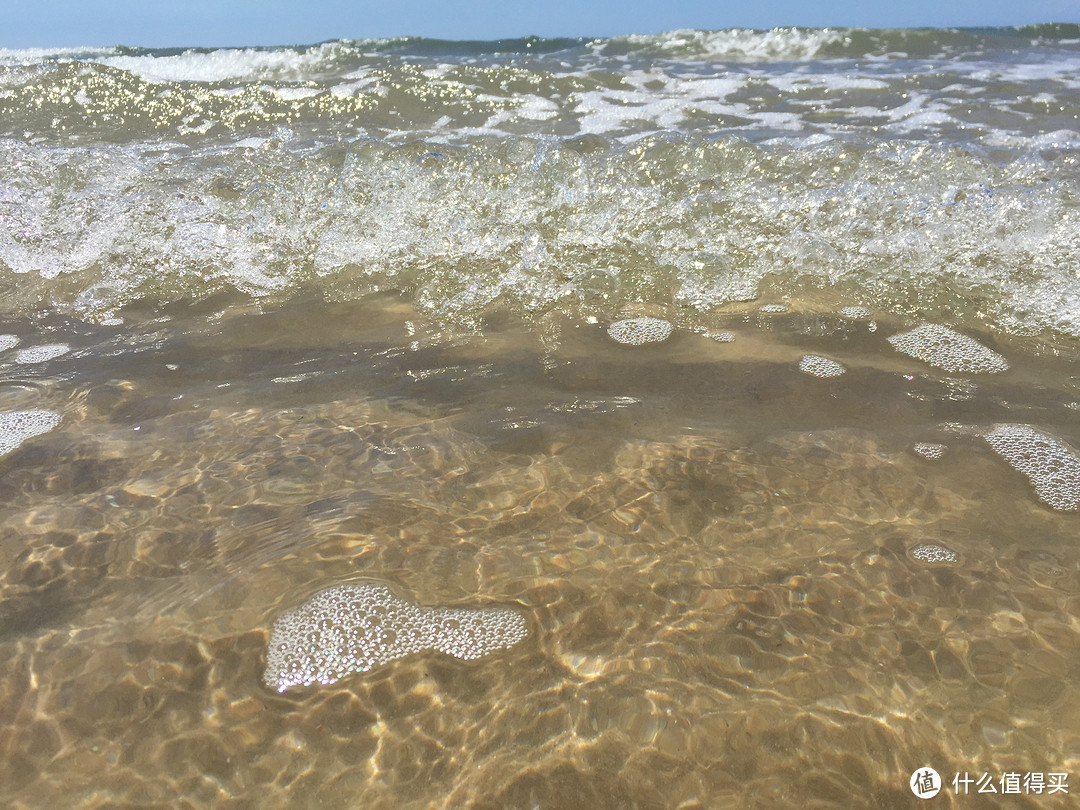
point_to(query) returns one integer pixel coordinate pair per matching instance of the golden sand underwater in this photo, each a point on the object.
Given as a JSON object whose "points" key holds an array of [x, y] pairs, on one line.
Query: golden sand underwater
{"points": [[712, 550]]}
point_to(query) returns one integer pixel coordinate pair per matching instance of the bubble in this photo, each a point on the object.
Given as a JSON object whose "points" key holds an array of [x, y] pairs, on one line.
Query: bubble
{"points": [[8, 342], [18, 426], [820, 366], [929, 450], [359, 626], [636, 331], [942, 347], [775, 309], [39, 354], [856, 313], [1051, 466], [934, 554]]}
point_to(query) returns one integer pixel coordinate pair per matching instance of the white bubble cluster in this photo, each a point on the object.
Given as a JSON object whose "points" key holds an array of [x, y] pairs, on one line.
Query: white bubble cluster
{"points": [[18, 426], [636, 331], [934, 554], [820, 366], [39, 354], [929, 450], [775, 308], [856, 313], [8, 342], [356, 627], [942, 347], [1051, 466]]}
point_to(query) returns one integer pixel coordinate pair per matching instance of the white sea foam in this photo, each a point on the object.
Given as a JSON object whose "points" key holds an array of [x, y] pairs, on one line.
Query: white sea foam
{"points": [[733, 44], [41, 354], [1051, 465], [930, 450], [18, 426], [796, 83], [226, 64], [357, 627], [682, 168], [818, 366], [856, 313], [942, 347], [934, 554], [638, 331]]}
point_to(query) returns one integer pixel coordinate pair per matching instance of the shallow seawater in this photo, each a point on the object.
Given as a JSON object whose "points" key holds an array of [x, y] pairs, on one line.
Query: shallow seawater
{"points": [[710, 546], [275, 321]]}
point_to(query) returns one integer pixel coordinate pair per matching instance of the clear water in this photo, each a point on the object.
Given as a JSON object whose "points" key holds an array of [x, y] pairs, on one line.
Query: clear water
{"points": [[339, 313]]}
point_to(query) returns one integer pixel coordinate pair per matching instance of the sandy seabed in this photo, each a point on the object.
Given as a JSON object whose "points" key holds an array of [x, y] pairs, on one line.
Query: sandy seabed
{"points": [[713, 556]]}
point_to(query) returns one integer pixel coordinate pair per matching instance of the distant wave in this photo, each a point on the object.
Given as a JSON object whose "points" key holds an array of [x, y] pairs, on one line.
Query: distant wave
{"points": [[793, 44], [725, 45]]}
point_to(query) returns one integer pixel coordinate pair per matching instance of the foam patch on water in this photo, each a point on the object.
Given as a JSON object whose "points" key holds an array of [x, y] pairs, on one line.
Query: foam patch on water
{"points": [[18, 426], [8, 342], [1052, 466], [856, 313], [948, 350], [930, 450], [819, 366], [40, 354], [934, 554], [356, 627], [637, 331]]}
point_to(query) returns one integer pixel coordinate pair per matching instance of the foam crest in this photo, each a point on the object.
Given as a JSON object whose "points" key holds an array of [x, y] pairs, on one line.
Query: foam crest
{"points": [[948, 350], [1051, 466], [533, 225], [18, 426], [228, 64], [732, 44], [356, 627]]}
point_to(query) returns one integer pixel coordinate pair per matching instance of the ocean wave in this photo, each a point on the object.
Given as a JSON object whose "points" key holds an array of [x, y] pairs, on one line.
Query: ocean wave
{"points": [[527, 225], [733, 44], [25, 57], [736, 45], [801, 44], [93, 102], [690, 170], [236, 64]]}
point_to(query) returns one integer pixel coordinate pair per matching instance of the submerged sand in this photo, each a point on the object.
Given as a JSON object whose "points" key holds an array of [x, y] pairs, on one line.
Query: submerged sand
{"points": [[712, 553]]}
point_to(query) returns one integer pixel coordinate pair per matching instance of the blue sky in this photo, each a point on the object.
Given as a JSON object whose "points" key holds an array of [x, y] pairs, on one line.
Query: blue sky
{"points": [[164, 23]]}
